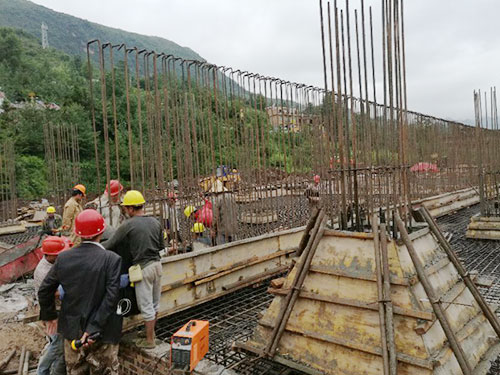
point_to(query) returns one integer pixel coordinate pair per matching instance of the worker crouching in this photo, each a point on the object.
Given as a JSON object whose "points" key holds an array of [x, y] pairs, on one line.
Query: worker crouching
{"points": [[142, 238], [90, 277]]}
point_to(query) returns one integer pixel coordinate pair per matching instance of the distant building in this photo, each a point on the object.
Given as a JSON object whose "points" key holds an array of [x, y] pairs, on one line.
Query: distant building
{"points": [[288, 119]]}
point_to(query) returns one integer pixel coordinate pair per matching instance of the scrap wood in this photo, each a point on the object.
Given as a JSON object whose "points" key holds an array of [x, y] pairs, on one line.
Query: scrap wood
{"points": [[21, 361], [7, 359], [277, 283]]}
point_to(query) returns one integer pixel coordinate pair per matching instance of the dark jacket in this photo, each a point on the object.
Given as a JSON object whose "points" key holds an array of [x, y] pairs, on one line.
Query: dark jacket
{"points": [[139, 239], [90, 277]]}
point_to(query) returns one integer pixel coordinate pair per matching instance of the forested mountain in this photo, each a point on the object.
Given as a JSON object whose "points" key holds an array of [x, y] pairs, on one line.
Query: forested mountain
{"points": [[71, 34]]}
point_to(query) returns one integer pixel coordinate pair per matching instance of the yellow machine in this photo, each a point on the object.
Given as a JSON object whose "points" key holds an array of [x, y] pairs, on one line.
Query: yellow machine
{"points": [[189, 345]]}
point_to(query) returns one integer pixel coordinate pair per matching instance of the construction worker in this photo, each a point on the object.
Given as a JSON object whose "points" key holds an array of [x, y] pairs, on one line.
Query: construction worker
{"points": [[142, 237], [225, 213], [108, 204], [172, 216], [52, 222], [312, 192], [90, 276], [200, 241], [71, 210], [52, 357]]}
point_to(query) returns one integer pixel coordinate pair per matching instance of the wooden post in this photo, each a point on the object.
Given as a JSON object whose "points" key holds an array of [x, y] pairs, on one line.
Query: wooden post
{"points": [[301, 272], [21, 361], [435, 302], [389, 316], [380, 295], [492, 318]]}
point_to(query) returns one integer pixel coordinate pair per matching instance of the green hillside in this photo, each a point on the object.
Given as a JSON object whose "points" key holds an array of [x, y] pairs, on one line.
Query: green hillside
{"points": [[71, 34]]}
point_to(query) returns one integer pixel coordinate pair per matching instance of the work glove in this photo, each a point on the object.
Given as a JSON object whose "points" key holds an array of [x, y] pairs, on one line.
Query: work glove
{"points": [[124, 280]]}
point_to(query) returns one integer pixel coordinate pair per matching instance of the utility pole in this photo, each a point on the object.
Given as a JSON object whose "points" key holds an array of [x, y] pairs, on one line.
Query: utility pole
{"points": [[45, 37]]}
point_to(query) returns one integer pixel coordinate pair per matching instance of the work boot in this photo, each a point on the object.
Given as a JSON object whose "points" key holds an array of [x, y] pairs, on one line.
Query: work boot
{"points": [[145, 344]]}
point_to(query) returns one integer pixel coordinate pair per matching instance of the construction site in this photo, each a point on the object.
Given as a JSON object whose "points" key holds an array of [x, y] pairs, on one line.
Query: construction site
{"points": [[364, 237]]}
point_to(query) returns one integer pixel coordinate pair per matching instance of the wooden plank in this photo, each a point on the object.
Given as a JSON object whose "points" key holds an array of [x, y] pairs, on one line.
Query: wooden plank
{"points": [[436, 267], [278, 283], [12, 229], [215, 273], [250, 262], [132, 323], [449, 296], [326, 270], [255, 279], [375, 350], [245, 347], [344, 234], [353, 303]]}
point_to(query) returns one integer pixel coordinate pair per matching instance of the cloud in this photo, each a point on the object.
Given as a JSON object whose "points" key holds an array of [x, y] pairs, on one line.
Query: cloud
{"points": [[450, 44]]}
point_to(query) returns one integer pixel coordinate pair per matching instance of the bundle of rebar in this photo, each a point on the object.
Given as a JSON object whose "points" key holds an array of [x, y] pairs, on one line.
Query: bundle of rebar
{"points": [[170, 125]]}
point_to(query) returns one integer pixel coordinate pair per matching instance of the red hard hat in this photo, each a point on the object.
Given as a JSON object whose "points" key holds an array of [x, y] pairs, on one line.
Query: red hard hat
{"points": [[53, 245], [116, 187], [316, 178], [89, 223]]}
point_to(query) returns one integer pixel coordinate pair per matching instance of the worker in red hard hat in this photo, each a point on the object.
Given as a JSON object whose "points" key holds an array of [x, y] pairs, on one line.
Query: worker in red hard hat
{"points": [[90, 276], [71, 210], [53, 353], [108, 204]]}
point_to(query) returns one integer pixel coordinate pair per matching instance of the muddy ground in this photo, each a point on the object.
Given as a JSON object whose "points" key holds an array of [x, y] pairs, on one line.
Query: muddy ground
{"points": [[17, 303]]}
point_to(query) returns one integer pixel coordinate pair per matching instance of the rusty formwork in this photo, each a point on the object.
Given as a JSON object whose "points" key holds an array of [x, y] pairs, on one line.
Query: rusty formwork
{"points": [[235, 315], [357, 303]]}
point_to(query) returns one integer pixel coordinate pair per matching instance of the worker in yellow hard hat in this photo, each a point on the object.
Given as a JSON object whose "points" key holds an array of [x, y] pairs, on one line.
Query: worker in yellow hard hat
{"points": [[200, 240], [52, 222], [189, 210], [140, 238], [71, 210]]}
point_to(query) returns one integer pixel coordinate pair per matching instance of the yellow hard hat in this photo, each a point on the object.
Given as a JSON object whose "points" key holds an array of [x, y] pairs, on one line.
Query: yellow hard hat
{"points": [[198, 228], [133, 198], [189, 210], [51, 210], [81, 188]]}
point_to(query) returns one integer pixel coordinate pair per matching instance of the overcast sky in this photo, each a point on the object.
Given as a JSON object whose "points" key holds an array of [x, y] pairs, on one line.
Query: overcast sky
{"points": [[453, 46]]}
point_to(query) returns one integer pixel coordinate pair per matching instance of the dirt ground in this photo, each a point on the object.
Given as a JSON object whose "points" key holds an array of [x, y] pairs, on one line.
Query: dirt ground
{"points": [[16, 335]]}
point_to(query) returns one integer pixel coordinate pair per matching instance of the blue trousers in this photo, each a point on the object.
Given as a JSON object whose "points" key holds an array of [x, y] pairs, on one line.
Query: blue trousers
{"points": [[52, 357]]}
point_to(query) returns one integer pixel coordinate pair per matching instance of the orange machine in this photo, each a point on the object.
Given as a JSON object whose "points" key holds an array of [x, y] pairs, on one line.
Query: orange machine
{"points": [[189, 345]]}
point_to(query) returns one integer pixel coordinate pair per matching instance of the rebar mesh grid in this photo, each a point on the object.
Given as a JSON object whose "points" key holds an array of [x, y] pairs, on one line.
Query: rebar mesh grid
{"points": [[232, 318], [482, 256], [19, 238]]}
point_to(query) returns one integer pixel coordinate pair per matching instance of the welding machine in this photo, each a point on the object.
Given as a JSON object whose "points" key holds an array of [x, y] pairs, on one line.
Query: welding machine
{"points": [[189, 345]]}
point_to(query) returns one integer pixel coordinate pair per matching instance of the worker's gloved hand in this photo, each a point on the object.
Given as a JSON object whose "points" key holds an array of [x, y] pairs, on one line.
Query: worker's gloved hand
{"points": [[61, 292], [124, 280]]}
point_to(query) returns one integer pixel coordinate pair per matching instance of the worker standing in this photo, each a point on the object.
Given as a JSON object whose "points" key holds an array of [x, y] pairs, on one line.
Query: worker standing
{"points": [[312, 193], [108, 204], [71, 210], [199, 240], [52, 222], [142, 236], [172, 217], [52, 357], [225, 213], [90, 277]]}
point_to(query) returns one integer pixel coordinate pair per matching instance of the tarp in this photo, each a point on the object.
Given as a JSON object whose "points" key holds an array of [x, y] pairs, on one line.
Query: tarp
{"points": [[424, 167]]}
